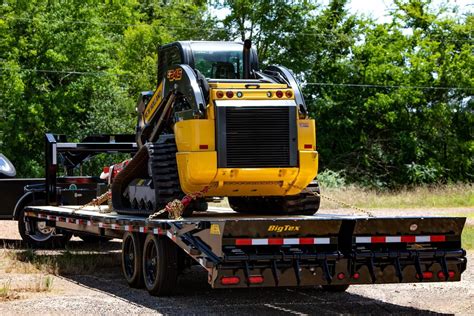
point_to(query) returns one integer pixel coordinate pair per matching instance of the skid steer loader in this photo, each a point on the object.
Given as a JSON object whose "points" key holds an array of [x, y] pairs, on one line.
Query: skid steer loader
{"points": [[217, 121]]}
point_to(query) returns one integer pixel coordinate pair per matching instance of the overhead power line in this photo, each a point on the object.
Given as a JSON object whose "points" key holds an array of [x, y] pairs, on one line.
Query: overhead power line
{"points": [[217, 28], [67, 72], [304, 84], [359, 85]]}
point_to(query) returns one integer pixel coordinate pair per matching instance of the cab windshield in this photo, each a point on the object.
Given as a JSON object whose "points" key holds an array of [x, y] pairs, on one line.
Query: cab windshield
{"points": [[217, 60]]}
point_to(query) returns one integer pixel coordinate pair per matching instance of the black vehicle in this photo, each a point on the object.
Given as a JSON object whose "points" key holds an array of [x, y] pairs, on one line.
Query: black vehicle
{"points": [[67, 189]]}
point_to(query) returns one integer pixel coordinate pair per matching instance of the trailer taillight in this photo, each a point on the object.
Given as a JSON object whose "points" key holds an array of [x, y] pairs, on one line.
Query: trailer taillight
{"points": [[341, 276], [255, 279], [426, 275], [220, 94], [230, 280], [356, 276], [279, 94], [441, 275], [229, 94], [288, 93]]}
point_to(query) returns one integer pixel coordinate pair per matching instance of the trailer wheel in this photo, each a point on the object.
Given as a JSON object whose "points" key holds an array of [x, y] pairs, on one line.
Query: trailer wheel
{"points": [[160, 265], [37, 234], [335, 288], [132, 259]]}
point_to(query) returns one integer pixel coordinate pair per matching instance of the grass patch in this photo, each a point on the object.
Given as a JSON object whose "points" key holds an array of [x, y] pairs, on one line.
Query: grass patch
{"points": [[66, 262], [6, 292], [459, 195], [39, 284], [468, 237]]}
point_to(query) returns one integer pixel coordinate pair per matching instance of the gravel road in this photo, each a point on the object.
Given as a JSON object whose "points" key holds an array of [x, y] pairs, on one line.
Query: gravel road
{"points": [[105, 292]]}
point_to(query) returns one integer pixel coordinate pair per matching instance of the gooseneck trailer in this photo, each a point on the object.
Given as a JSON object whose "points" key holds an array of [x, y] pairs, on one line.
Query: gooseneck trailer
{"points": [[272, 251]]}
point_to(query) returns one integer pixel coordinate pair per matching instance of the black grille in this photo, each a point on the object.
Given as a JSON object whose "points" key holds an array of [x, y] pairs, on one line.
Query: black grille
{"points": [[251, 137]]}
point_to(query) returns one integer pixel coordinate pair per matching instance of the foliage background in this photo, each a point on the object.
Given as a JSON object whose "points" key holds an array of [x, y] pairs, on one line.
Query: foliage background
{"points": [[393, 102]]}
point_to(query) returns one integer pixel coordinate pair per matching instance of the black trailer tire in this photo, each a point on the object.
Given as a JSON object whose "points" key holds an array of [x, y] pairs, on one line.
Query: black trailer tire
{"points": [[335, 287], [92, 239], [132, 269], [43, 236], [160, 265]]}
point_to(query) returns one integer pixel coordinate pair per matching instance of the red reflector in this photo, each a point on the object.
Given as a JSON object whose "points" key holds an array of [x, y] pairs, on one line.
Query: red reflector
{"points": [[203, 147], [230, 280], [229, 94], [306, 241], [356, 275], [275, 241], [378, 239], [243, 242], [219, 94], [438, 238], [106, 169], [341, 276], [408, 239], [288, 93], [451, 274], [255, 279], [308, 146], [279, 94]]}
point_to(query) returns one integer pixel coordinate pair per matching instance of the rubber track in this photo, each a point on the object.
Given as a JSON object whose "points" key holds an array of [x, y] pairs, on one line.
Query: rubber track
{"points": [[305, 203], [164, 172]]}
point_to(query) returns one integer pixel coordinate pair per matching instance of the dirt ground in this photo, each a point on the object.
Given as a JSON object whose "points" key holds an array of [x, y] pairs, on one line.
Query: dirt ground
{"points": [[105, 291]]}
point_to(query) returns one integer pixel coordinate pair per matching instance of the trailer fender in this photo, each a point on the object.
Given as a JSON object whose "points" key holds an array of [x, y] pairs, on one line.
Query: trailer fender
{"points": [[24, 200]]}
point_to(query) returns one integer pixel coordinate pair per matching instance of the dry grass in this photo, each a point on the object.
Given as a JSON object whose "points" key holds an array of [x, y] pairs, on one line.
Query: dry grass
{"points": [[62, 263], [39, 284], [459, 195]]}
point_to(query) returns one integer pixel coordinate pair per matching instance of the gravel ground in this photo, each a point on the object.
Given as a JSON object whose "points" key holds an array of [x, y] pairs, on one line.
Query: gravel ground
{"points": [[105, 292]]}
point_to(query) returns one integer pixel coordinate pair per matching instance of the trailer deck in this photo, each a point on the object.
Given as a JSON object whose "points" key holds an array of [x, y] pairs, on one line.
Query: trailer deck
{"points": [[324, 249]]}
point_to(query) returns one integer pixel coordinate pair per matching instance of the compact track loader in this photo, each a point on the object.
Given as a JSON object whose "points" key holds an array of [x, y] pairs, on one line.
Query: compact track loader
{"points": [[219, 125]]}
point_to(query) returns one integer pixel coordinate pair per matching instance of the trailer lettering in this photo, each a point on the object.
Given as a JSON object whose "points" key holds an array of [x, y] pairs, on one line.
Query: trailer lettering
{"points": [[283, 228]]}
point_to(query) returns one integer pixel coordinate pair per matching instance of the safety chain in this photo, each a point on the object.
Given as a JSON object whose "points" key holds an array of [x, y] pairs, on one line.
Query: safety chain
{"points": [[329, 198]]}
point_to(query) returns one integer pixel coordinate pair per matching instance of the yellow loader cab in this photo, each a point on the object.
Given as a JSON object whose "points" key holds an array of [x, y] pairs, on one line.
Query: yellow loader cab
{"points": [[217, 123]]}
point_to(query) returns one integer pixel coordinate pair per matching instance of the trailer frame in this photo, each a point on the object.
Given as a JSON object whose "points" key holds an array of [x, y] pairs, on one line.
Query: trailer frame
{"points": [[333, 251]]}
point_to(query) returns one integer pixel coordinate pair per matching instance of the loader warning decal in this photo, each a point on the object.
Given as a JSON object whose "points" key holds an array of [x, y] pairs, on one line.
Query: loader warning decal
{"points": [[154, 103], [215, 229], [175, 74]]}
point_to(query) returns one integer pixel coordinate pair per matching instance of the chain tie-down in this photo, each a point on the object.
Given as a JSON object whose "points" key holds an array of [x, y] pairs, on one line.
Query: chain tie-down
{"points": [[98, 201], [176, 207]]}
